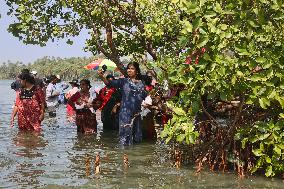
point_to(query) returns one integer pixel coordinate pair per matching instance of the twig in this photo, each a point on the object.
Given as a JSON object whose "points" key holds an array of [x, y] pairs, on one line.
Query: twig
{"points": [[209, 115], [132, 121], [238, 114]]}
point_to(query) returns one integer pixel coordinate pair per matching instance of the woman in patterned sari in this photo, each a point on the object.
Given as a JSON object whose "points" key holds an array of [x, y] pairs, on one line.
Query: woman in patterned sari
{"points": [[29, 105], [82, 104], [132, 94]]}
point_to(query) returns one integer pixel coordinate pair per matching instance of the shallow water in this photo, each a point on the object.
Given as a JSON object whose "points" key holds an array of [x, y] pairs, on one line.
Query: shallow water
{"points": [[60, 158]]}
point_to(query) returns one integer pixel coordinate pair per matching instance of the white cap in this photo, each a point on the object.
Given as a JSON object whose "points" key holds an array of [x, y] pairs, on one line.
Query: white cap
{"points": [[34, 72], [58, 76]]}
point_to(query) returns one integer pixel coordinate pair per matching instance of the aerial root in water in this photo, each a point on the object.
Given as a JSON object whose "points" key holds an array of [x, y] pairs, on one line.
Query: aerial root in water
{"points": [[87, 165], [97, 164], [177, 157], [125, 161]]}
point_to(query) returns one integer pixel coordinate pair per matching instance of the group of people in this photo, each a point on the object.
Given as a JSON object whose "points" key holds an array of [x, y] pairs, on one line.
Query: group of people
{"points": [[120, 102]]}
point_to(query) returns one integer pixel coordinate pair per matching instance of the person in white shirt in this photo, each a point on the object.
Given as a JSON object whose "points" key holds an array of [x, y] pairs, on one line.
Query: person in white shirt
{"points": [[61, 86], [52, 96]]}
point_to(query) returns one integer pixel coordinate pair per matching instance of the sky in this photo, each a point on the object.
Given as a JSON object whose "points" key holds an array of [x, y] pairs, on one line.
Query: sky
{"points": [[14, 50]]}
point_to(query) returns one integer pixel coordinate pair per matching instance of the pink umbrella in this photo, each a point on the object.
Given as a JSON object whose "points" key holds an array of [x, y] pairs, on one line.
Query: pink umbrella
{"points": [[98, 64], [93, 65]]}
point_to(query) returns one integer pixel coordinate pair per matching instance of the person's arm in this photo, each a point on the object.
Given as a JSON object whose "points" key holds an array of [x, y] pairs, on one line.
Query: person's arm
{"points": [[15, 109], [65, 86], [50, 92], [102, 77], [71, 101], [14, 113], [116, 83], [42, 103]]}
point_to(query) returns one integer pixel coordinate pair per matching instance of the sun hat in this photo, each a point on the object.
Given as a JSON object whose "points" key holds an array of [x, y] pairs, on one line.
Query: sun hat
{"points": [[58, 76], [34, 72], [75, 82]]}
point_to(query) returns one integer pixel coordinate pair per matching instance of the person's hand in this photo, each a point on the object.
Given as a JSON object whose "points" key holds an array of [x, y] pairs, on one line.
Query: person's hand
{"points": [[114, 109], [100, 73], [12, 122], [88, 105], [55, 93], [41, 117]]}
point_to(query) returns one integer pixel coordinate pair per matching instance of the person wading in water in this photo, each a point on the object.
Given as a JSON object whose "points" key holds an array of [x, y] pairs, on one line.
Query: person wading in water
{"points": [[132, 94]]}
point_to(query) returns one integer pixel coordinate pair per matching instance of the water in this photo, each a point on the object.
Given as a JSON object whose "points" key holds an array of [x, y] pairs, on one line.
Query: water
{"points": [[58, 158]]}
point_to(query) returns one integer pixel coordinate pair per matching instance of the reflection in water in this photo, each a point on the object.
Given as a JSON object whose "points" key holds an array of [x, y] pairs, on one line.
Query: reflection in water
{"points": [[81, 162], [29, 146]]}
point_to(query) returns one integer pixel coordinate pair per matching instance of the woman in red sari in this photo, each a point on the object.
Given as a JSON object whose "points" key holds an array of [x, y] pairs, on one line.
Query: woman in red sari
{"points": [[29, 105], [82, 103]]}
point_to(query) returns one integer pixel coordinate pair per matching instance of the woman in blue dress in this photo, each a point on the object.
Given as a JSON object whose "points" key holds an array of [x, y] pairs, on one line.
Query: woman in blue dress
{"points": [[132, 94]]}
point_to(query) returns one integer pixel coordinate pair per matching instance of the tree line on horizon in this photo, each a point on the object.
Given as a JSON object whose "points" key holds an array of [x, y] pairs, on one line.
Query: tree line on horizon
{"points": [[67, 68]]}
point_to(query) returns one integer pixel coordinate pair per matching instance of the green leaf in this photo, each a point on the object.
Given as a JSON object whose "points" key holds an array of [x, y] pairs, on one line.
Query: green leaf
{"points": [[191, 138], [178, 111], [257, 152], [69, 42], [243, 51], [223, 96], [252, 23], [264, 136], [187, 27], [272, 94], [196, 23], [180, 137], [223, 26], [268, 171], [277, 150], [260, 60], [281, 101], [218, 8], [267, 159], [244, 141], [211, 95], [192, 8], [239, 73], [195, 106], [203, 42], [262, 104], [168, 139], [254, 169]]}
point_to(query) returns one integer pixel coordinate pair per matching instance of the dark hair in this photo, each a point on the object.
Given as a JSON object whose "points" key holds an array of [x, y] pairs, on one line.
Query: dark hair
{"points": [[110, 76], [52, 77], [87, 82], [147, 79], [25, 71], [27, 77], [137, 68]]}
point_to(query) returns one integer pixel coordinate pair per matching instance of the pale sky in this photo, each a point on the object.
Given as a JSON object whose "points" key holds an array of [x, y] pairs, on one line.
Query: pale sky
{"points": [[14, 50]]}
